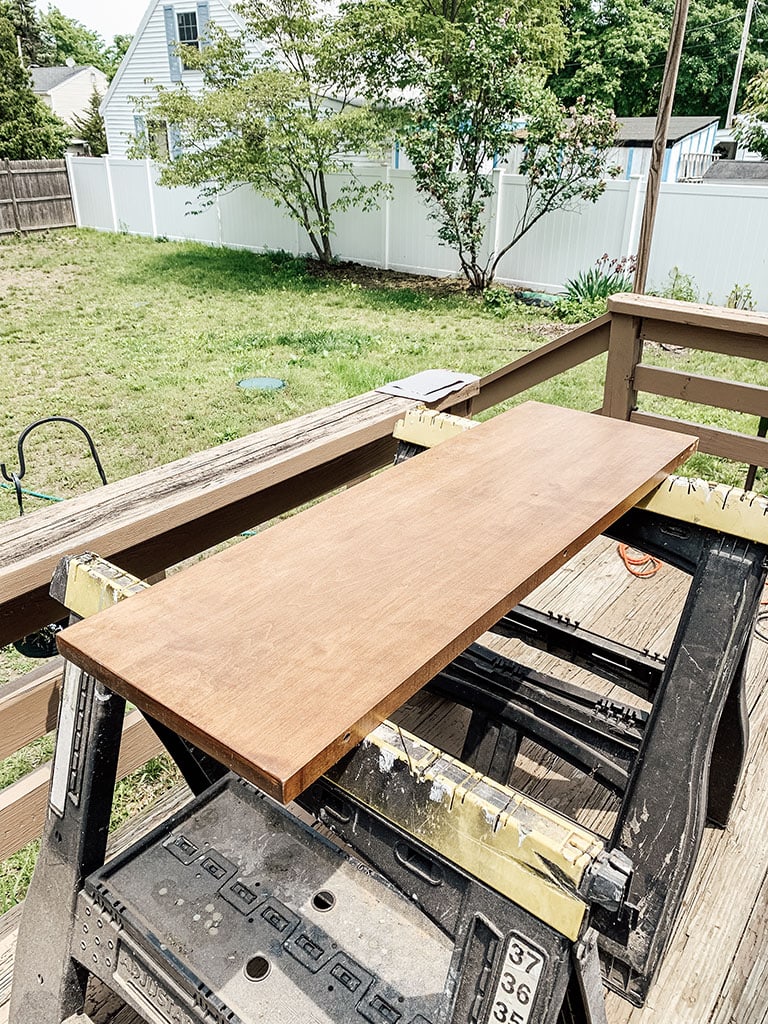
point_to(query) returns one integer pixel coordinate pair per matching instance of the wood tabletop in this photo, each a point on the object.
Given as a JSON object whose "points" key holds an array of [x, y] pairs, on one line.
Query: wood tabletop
{"points": [[279, 654]]}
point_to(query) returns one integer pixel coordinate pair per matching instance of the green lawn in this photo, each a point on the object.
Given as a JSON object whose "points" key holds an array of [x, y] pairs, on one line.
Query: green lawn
{"points": [[144, 342]]}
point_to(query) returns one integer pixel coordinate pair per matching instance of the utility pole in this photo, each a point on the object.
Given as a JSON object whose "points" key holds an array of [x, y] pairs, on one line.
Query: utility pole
{"points": [[739, 64], [671, 67]]}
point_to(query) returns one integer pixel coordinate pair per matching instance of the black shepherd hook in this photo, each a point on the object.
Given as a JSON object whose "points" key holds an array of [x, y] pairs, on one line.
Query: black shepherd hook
{"points": [[15, 478]]}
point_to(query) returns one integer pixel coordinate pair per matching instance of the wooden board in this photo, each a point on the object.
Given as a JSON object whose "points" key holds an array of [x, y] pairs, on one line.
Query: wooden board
{"points": [[279, 655]]}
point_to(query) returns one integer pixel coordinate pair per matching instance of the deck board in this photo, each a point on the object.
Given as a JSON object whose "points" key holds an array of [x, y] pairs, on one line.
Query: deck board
{"points": [[716, 969]]}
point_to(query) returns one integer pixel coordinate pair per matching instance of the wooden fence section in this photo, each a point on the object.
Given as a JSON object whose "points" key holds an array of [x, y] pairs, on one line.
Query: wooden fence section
{"points": [[155, 519], [35, 195], [636, 319]]}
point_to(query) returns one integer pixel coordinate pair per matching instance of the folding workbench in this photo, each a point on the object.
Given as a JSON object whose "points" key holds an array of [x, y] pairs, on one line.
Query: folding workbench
{"points": [[269, 671]]}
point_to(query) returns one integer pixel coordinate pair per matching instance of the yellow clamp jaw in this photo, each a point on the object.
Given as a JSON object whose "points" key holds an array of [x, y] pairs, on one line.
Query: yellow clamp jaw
{"points": [[521, 848], [717, 506], [86, 584], [427, 428]]}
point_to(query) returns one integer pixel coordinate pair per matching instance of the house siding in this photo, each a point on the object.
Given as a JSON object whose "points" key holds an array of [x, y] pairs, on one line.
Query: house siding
{"points": [[70, 98], [146, 65]]}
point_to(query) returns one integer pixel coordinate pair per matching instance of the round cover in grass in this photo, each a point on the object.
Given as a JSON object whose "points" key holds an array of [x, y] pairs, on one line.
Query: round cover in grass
{"points": [[261, 383]]}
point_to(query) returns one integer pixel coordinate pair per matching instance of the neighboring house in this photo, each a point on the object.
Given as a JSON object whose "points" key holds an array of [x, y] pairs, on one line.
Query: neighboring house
{"points": [[689, 149], [738, 172], [67, 90], [153, 59]]}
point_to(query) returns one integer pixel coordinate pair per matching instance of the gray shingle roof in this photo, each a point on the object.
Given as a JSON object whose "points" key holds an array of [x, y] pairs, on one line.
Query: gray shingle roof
{"points": [[738, 170], [638, 131], [45, 79]]}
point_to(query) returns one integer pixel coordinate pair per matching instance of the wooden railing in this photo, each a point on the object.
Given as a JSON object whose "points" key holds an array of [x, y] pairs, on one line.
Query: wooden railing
{"points": [[636, 319], [156, 519]]}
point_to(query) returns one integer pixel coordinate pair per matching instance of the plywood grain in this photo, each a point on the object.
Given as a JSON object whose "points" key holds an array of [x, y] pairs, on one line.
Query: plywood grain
{"points": [[277, 656]]}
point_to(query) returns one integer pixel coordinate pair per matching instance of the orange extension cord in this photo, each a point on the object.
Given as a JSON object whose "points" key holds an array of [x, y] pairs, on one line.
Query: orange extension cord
{"points": [[646, 566], [643, 567]]}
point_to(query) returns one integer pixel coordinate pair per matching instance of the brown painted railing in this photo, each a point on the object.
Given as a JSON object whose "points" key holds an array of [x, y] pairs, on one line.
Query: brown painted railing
{"points": [[154, 520], [636, 319]]}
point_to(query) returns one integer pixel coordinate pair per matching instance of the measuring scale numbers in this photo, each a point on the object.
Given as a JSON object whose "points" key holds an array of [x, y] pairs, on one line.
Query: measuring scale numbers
{"points": [[518, 983]]}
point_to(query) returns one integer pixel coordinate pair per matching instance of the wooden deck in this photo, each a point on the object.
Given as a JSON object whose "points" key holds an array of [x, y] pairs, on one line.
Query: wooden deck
{"points": [[716, 970]]}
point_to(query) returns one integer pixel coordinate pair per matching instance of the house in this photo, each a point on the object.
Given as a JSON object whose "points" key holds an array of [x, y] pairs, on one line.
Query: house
{"points": [[738, 172], [153, 59], [68, 90], [688, 153]]}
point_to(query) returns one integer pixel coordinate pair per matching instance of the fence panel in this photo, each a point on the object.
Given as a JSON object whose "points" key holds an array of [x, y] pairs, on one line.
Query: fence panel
{"points": [[131, 185], [715, 233], [566, 241], [712, 232], [35, 196], [180, 214], [361, 234], [249, 221], [413, 244]]}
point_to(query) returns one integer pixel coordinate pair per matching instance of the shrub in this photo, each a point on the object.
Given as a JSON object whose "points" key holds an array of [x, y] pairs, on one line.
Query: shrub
{"points": [[607, 277], [573, 311], [740, 297], [678, 286]]}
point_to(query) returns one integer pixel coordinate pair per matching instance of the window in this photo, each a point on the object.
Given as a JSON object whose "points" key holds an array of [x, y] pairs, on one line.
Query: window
{"points": [[157, 138], [186, 22]]}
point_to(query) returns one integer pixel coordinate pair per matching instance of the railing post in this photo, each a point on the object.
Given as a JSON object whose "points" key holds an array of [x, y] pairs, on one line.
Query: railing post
{"points": [[625, 350]]}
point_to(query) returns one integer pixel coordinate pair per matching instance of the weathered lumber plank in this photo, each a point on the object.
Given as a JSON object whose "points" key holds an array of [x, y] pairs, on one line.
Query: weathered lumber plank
{"points": [[691, 387], [693, 314], [625, 350], [545, 362], [29, 706]]}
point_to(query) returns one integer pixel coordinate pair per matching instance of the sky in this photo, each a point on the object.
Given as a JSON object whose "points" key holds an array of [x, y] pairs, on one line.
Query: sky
{"points": [[107, 17]]}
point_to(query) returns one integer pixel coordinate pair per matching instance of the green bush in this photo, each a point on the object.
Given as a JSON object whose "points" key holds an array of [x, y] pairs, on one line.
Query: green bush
{"points": [[499, 300], [678, 286], [607, 277], [574, 311]]}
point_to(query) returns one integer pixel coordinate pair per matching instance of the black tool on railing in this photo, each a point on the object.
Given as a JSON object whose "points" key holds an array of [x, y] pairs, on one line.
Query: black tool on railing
{"points": [[42, 643]]}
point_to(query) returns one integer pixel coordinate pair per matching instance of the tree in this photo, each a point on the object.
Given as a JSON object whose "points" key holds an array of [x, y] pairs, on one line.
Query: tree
{"points": [[276, 121], [468, 83], [615, 47], [26, 27], [115, 52], [617, 50], [90, 126], [28, 129], [708, 60], [750, 129], [65, 38]]}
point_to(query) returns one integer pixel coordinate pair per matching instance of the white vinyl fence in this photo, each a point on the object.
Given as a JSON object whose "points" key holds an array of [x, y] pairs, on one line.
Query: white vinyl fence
{"points": [[715, 233]]}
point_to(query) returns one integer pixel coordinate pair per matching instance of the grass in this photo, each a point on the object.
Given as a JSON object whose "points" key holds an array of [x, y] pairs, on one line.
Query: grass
{"points": [[144, 342], [110, 329]]}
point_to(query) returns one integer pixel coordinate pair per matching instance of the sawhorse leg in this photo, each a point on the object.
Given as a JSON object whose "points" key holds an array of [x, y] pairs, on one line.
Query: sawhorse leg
{"points": [[665, 806], [47, 985]]}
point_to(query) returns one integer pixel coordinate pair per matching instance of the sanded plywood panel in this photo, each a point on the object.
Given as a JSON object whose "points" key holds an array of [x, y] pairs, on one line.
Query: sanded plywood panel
{"points": [[279, 655]]}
